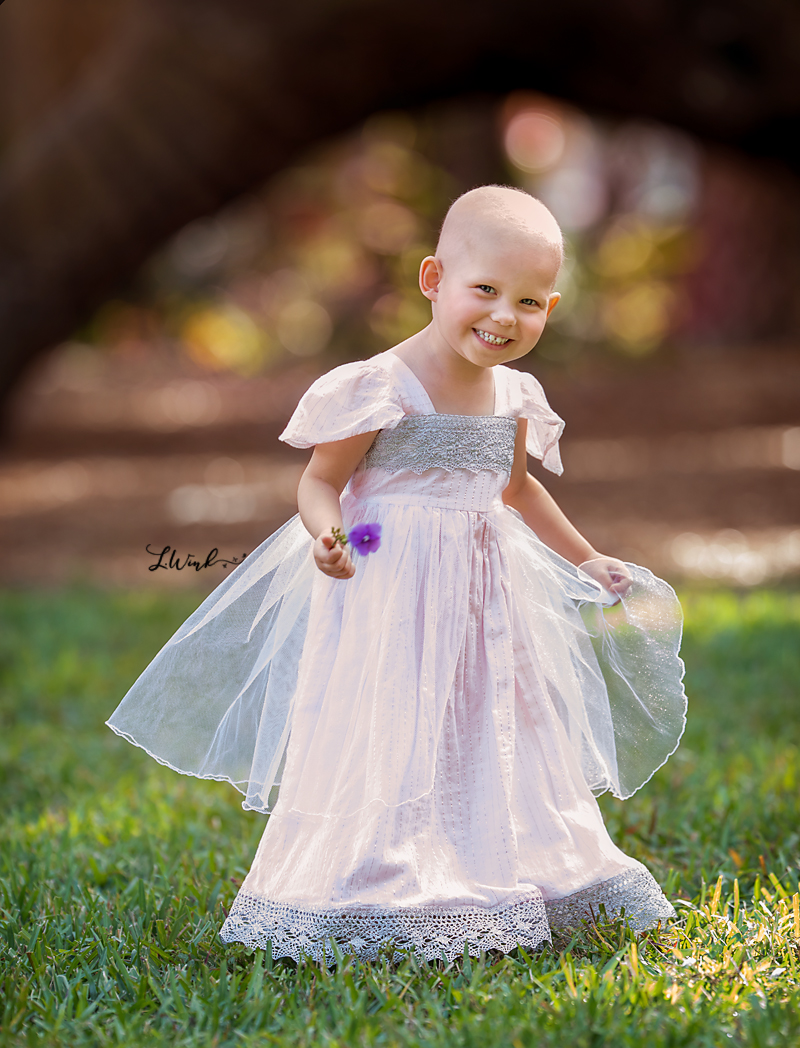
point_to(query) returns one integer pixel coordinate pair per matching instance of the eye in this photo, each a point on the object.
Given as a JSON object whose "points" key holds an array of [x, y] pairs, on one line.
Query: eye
{"points": [[529, 302], [487, 288]]}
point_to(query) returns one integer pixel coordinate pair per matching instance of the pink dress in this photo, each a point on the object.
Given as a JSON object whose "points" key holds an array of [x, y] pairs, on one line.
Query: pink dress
{"points": [[428, 736]]}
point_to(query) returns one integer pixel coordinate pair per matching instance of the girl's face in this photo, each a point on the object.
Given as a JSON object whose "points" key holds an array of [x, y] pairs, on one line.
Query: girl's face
{"points": [[490, 305]]}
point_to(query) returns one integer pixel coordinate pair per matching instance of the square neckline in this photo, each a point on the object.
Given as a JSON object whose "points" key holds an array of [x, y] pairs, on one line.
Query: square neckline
{"points": [[433, 411]]}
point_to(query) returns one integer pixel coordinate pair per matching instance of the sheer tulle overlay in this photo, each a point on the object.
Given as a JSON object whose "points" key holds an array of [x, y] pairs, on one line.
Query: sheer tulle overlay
{"points": [[443, 719]]}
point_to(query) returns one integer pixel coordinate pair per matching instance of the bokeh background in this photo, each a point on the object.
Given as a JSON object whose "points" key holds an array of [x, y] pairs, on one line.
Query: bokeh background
{"points": [[180, 257]]}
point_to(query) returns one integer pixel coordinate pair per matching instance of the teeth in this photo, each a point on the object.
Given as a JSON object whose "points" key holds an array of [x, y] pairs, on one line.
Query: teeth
{"points": [[492, 339]]}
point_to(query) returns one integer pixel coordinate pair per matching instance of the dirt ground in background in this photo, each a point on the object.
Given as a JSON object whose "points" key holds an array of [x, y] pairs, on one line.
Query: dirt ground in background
{"points": [[105, 456]]}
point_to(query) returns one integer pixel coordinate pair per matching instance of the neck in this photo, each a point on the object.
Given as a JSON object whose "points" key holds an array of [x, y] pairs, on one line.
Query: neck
{"points": [[454, 385]]}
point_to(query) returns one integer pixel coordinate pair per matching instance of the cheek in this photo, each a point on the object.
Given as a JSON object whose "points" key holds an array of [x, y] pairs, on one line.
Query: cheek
{"points": [[534, 325], [462, 312]]}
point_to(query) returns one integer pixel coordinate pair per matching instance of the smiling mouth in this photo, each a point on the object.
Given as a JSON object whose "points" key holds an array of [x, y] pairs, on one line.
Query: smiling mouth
{"points": [[493, 340]]}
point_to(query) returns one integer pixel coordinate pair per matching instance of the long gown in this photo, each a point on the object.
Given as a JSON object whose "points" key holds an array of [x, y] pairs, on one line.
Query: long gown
{"points": [[429, 735]]}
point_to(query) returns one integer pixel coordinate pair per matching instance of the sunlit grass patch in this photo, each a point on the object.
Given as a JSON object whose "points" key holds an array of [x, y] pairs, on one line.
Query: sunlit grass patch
{"points": [[115, 873]]}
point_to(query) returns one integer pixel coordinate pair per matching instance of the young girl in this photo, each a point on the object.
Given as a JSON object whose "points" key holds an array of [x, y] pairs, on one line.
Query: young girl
{"points": [[437, 715]]}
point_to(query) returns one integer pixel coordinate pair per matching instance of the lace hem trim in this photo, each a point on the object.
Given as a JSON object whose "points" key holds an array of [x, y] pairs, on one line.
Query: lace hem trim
{"points": [[635, 890], [429, 931]]}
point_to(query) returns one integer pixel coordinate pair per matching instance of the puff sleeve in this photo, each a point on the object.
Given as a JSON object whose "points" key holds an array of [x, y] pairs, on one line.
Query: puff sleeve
{"points": [[353, 398], [527, 400]]}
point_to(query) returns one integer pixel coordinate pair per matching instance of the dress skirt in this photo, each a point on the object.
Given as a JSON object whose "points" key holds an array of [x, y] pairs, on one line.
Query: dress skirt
{"points": [[433, 795]]}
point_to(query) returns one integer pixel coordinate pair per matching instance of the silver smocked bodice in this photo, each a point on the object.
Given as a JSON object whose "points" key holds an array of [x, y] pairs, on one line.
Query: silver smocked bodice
{"points": [[450, 442]]}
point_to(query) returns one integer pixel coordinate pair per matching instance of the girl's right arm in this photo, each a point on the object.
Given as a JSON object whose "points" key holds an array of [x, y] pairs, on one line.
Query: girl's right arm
{"points": [[321, 484]]}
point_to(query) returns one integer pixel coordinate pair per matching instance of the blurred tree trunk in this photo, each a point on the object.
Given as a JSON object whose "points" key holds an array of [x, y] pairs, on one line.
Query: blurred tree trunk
{"points": [[170, 108]]}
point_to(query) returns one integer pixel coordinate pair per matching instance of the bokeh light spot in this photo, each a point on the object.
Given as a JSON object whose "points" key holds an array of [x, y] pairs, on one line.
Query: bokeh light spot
{"points": [[397, 316], [534, 140], [387, 227], [225, 337], [639, 318], [304, 328], [624, 251]]}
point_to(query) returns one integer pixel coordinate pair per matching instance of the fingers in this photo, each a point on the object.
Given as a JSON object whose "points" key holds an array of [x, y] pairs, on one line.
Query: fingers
{"points": [[342, 570], [621, 581], [612, 574], [332, 559]]}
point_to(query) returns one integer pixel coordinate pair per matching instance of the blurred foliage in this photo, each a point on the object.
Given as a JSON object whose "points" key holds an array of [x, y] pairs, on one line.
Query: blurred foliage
{"points": [[324, 259], [115, 873]]}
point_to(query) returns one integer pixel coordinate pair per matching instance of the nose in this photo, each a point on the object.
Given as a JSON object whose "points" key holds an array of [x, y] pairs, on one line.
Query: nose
{"points": [[503, 315]]}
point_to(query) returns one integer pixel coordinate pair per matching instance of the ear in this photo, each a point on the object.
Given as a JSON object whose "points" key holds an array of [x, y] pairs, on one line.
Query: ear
{"points": [[554, 300], [430, 276]]}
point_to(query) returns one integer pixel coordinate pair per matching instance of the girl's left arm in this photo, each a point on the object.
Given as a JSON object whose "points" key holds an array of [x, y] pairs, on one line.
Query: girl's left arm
{"points": [[541, 513]]}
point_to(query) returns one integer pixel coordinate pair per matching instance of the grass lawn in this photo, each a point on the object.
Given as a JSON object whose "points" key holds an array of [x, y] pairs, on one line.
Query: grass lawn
{"points": [[115, 872]]}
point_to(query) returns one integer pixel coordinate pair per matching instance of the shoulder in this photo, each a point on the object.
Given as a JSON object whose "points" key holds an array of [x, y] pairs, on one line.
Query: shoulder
{"points": [[353, 376], [353, 398], [525, 398], [522, 390]]}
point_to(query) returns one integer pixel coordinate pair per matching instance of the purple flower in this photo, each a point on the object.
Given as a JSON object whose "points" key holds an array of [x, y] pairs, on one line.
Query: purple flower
{"points": [[365, 538]]}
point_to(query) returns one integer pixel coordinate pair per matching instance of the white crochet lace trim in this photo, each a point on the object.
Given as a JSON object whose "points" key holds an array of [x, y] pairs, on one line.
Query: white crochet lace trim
{"points": [[429, 931], [636, 891]]}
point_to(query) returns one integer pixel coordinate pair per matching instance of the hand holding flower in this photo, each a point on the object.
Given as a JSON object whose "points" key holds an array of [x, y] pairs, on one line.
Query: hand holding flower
{"points": [[332, 555], [332, 558]]}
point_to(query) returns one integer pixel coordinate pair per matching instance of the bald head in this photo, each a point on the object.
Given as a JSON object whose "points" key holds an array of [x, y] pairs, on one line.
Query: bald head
{"points": [[490, 213]]}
